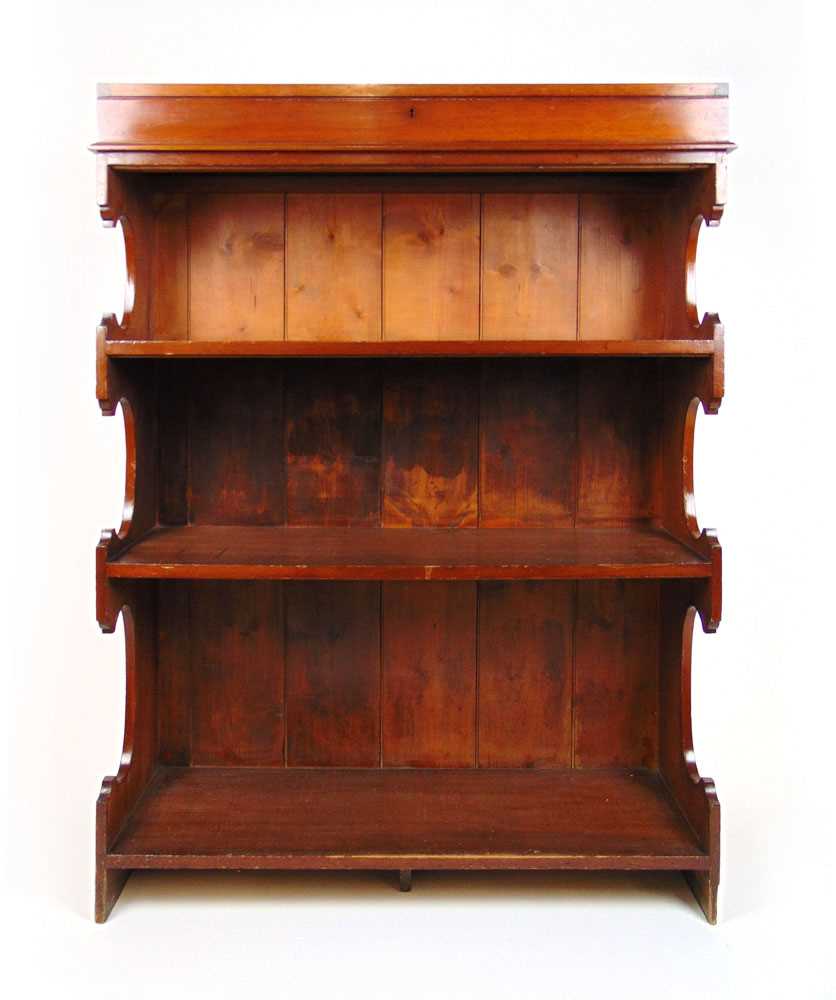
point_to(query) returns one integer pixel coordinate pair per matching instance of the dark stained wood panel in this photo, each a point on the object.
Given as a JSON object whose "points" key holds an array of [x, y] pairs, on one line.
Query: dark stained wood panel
{"points": [[233, 552], [237, 673], [616, 715], [333, 267], [429, 674], [236, 445], [619, 423], [333, 428], [431, 266], [471, 817], [623, 267], [525, 674], [333, 674], [430, 445], [174, 672], [174, 402], [530, 267], [527, 444], [236, 267]]}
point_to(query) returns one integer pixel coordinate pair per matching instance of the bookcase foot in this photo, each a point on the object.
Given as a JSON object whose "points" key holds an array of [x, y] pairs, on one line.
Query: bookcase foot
{"points": [[704, 886], [109, 885], [405, 879]]}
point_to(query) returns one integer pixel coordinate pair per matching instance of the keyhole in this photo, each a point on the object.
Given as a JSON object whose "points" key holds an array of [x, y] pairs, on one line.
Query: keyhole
{"points": [[412, 112]]}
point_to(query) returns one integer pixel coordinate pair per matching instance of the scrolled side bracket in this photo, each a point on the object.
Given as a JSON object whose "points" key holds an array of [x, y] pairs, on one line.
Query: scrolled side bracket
{"points": [[120, 792], [695, 795]]}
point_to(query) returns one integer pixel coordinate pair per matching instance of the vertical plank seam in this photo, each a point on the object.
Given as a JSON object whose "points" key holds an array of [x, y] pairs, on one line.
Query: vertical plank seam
{"points": [[188, 213], [284, 268], [187, 430], [476, 761], [573, 714], [284, 434], [382, 267], [480, 323], [383, 375], [578, 270], [657, 734], [480, 374], [285, 706], [155, 589], [190, 672], [380, 692], [576, 485]]}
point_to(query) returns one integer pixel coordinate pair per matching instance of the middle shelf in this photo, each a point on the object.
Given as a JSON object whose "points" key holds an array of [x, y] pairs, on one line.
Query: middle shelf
{"points": [[222, 552]]}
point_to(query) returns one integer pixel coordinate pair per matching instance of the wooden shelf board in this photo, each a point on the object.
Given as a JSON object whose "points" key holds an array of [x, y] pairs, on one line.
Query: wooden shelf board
{"points": [[211, 817], [325, 553], [407, 348]]}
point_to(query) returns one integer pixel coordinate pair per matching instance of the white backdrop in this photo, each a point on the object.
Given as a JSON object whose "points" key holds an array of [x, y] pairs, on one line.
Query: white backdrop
{"points": [[764, 687]]}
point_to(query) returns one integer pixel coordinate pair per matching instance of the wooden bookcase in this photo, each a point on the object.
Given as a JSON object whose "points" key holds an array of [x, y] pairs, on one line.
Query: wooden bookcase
{"points": [[409, 565]]}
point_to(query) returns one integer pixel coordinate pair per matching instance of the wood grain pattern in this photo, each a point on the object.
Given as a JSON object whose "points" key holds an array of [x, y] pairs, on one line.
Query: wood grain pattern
{"points": [[236, 267], [333, 674], [216, 552], [174, 672], [695, 347], [174, 403], [237, 673], [619, 424], [236, 462], [409, 564], [169, 279], [525, 674], [623, 268], [431, 266], [429, 674], [333, 445], [458, 817], [616, 693], [527, 444], [430, 446], [333, 267], [530, 267]]}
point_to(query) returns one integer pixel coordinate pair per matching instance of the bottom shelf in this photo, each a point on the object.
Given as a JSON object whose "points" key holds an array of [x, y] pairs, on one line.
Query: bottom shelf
{"points": [[207, 817]]}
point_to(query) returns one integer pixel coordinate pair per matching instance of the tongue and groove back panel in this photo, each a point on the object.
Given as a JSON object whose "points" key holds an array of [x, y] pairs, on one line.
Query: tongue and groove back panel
{"points": [[404, 443], [400, 674], [574, 258], [473, 311], [504, 674]]}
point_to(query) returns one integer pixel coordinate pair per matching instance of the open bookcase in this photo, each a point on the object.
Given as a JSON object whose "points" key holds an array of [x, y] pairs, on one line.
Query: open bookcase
{"points": [[409, 565]]}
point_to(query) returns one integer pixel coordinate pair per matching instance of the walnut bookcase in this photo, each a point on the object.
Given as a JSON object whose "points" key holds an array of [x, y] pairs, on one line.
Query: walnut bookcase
{"points": [[409, 564]]}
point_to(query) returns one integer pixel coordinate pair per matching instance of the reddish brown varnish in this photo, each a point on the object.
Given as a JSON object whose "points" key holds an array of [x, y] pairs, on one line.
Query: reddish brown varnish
{"points": [[409, 564]]}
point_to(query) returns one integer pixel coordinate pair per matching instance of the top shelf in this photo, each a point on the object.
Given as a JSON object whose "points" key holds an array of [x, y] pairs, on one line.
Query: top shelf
{"points": [[407, 348]]}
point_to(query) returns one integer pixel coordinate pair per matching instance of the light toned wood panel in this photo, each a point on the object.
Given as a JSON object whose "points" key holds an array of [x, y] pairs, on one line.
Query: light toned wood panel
{"points": [[170, 272], [529, 266], [623, 267], [236, 267], [333, 267], [431, 266]]}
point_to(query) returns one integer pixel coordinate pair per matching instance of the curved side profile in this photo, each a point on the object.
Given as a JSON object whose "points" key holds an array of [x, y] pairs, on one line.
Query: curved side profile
{"points": [[121, 792], [696, 796]]}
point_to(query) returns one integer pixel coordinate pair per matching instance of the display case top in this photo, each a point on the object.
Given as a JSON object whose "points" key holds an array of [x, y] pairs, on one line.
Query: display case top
{"points": [[185, 126]]}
